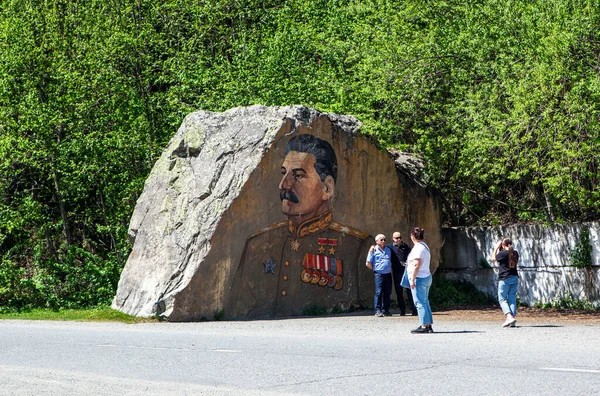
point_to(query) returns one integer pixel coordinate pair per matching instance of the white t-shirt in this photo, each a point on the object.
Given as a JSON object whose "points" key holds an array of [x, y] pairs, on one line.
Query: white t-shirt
{"points": [[420, 250]]}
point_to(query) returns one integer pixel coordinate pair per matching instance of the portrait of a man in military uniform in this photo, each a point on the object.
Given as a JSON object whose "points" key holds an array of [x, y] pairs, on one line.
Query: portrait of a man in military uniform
{"points": [[308, 259]]}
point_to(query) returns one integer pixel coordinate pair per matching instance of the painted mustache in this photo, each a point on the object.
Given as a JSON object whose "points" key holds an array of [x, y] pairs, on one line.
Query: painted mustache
{"points": [[289, 195]]}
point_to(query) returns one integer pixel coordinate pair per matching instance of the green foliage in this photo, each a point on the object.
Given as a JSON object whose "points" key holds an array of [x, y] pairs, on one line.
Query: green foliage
{"points": [[219, 315], [339, 310], [445, 294], [581, 255], [568, 302], [483, 263], [314, 310], [500, 99]]}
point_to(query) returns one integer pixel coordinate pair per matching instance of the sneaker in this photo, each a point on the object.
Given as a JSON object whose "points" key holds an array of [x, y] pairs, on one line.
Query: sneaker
{"points": [[509, 321], [379, 314], [422, 330], [387, 313], [514, 324]]}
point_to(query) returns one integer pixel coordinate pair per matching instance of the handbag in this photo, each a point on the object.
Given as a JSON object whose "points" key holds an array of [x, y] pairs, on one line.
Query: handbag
{"points": [[404, 282]]}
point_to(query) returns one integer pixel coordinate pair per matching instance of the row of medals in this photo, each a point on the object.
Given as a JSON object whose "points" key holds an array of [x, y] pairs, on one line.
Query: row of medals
{"points": [[316, 276], [321, 278]]}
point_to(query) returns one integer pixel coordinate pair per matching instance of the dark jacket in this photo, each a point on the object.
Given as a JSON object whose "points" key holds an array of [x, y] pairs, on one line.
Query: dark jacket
{"points": [[399, 254]]}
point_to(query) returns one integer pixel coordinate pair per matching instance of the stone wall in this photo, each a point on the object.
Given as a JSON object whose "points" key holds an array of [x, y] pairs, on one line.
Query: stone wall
{"points": [[545, 266]]}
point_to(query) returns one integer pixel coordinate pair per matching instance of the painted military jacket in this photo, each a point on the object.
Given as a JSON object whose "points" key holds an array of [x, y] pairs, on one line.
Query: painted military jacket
{"points": [[285, 270]]}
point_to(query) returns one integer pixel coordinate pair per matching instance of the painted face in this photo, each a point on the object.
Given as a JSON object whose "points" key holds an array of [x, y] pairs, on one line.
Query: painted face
{"points": [[301, 189]]}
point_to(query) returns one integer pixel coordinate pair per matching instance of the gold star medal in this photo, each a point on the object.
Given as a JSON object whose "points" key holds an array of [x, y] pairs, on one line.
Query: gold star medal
{"points": [[322, 243], [295, 245], [333, 243]]}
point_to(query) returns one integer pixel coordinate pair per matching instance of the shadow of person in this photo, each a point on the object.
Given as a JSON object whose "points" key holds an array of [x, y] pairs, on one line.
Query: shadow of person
{"points": [[545, 325]]}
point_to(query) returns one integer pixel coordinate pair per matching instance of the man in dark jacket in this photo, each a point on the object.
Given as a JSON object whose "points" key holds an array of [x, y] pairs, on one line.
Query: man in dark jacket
{"points": [[400, 251]]}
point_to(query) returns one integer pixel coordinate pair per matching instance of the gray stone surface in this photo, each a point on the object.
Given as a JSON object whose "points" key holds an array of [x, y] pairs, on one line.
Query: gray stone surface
{"points": [[545, 266], [199, 174], [216, 183], [339, 355]]}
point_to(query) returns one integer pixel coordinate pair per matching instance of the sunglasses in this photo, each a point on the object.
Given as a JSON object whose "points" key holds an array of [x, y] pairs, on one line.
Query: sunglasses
{"points": [[397, 237], [382, 239]]}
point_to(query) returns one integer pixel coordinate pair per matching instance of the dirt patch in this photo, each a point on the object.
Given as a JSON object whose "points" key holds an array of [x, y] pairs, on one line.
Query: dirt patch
{"points": [[495, 314]]}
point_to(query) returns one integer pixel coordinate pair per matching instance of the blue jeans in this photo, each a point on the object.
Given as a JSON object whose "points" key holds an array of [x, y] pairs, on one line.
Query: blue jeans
{"points": [[421, 298], [383, 289], [507, 294]]}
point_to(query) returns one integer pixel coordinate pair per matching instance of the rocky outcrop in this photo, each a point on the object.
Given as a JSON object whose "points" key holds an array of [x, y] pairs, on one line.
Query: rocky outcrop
{"points": [[209, 222]]}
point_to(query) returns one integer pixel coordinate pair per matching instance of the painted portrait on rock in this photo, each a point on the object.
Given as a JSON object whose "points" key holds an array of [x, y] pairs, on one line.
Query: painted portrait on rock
{"points": [[266, 211], [308, 259]]}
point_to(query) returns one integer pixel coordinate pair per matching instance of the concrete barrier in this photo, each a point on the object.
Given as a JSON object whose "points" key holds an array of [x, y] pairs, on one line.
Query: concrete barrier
{"points": [[546, 266]]}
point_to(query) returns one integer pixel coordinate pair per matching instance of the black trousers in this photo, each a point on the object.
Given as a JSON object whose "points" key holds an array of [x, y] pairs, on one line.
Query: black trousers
{"points": [[398, 273]]}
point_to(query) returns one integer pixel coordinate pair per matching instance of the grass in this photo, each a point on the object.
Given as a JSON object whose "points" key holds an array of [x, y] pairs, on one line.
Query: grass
{"points": [[97, 314]]}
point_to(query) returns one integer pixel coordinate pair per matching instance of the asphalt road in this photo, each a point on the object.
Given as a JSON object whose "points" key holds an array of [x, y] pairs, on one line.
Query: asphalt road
{"points": [[342, 355]]}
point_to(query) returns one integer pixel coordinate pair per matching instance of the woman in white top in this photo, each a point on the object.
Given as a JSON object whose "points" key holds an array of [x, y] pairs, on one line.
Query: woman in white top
{"points": [[419, 277]]}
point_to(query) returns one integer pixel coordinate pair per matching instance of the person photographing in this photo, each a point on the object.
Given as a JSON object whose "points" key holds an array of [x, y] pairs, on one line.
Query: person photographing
{"points": [[508, 280]]}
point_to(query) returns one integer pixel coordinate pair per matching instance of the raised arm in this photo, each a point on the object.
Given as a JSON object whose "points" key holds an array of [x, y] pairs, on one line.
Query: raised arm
{"points": [[498, 248], [370, 257]]}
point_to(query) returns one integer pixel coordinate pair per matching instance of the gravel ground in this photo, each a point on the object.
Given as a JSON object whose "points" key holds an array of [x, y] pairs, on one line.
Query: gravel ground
{"points": [[532, 314]]}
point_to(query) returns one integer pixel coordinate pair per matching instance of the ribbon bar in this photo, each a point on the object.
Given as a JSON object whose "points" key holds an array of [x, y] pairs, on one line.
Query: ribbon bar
{"points": [[324, 263]]}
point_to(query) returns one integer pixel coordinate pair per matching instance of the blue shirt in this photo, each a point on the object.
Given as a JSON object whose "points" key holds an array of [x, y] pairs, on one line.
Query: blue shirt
{"points": [[381, 260]]}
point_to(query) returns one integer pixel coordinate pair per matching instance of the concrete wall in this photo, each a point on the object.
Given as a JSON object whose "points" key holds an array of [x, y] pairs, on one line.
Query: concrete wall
{"points": [[545, 265]]}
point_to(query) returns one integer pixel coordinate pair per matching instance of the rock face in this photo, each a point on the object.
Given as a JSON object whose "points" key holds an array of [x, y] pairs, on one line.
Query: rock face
{"points": [[214, 238]]}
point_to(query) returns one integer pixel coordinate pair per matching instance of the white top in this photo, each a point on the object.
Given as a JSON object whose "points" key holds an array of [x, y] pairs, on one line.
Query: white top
{"points": [[420, 250]]}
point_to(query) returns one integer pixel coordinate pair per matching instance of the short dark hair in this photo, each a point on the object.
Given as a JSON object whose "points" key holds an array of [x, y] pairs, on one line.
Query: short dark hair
{"points": [[325, 158], [418, 233]]}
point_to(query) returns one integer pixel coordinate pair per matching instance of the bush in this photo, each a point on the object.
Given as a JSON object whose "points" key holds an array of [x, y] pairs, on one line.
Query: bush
{"points": [[446, 294], [568, 302], [314, 310], [581, 255]]}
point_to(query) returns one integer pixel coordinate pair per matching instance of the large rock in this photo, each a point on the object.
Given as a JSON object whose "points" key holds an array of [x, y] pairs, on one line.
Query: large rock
{"points": [[210, 238]]}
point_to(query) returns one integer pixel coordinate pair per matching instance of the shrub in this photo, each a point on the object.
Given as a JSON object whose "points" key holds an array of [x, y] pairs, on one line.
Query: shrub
{"points": [[445, 294], [568, 302], [581, 255]]}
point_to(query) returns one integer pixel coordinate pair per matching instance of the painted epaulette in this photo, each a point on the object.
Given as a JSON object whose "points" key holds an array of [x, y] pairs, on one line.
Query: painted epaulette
{"points": [[348, 230], [270, 228]]}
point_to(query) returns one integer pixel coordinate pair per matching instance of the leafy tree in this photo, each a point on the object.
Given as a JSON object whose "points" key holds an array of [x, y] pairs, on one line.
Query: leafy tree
{"points": [[501, 99]]}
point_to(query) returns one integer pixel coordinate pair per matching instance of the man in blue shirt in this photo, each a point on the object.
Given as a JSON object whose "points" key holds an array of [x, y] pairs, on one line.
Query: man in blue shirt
{"points": [[379, 260]]}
